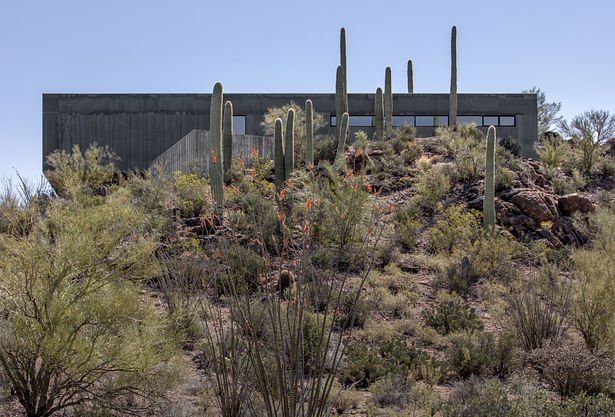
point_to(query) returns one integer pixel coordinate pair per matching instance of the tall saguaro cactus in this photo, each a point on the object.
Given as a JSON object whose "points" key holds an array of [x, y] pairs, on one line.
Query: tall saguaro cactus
{"points": [[289, 144], [309, 133], [339, 96], [489, 200], [388, 103], [279, 161], [410, 78], [379, 115], [452, 105], [216, 173], [341, 142], [227, 139], [343, 63]]}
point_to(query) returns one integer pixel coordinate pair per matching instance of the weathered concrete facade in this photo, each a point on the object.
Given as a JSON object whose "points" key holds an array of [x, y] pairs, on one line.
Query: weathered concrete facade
{"points": [[140, 127]]}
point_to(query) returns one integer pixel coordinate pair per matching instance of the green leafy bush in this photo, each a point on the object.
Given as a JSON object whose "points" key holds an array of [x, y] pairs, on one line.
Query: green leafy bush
{"points": [[479, 353], [353, 310], [457, 227], [466, 146], [431, 189], [452, 316], [191, 192], [408, 225], [503, 179], [245, 270]]}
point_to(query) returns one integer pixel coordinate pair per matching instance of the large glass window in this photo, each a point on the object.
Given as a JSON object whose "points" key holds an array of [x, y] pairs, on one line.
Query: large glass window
{"points": [[424, 121], [491, 121], [239, 125], [355, 121], [400, 120], [507, 120], [477, 120]]}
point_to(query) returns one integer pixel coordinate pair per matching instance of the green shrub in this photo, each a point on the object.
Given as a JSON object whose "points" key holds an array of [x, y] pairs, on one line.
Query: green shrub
{"points": [[551, 150], [459, 275], [244, 270], [457, 227], [408, 225], [571, 369], [465, 144], [353, 310], [431, 189], [452, 316], [191, 192], [391, 391], [325, 149], [479, 353], [365, 364], [510, 144], [491, 255], [503, 179]]}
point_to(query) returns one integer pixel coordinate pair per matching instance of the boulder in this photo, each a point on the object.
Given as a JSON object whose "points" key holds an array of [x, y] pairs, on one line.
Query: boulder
{"points": [[538, 205], [572, 203]]}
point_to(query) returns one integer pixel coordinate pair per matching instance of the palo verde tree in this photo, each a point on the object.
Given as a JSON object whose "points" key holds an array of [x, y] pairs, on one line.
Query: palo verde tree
{"points": [[75, 331]]}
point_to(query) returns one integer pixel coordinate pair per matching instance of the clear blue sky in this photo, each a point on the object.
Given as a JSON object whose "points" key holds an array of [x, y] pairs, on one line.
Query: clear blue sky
{"points": [[566, 48]]}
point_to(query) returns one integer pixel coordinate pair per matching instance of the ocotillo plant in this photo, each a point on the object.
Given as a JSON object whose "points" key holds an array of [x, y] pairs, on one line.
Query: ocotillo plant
{"points": [[379, 115], [489, 200], [452, 105], [309, 133], [289, 144], [279, 162], [216, 174], [339, 96], [410, 78], [388, 103], [341, 142], [227, 139]]}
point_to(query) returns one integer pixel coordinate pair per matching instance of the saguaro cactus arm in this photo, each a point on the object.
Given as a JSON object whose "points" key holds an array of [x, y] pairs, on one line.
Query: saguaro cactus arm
{"points": [[227, 133], [379, 115], [388, 102], [279, 161], [309, 133], [289, 144], [452, 107], [341, 142], [410, 78], [216, 174]]}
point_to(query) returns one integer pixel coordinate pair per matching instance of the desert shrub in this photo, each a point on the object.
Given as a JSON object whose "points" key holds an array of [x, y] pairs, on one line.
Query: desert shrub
{"points": [[551, 150], [592, 307], [431, 188], [244, 270], [365, 364], [510, 144], [474, 398], [77, 172], [503, 179], [491, 255], [571, 369], [22, 204], [191, 192], [353, 310], [465, 144], [325, 149], [152, 192], [408, 225], [459, 275], [606, 167], [75, 327], [536, 310], [452, 316], [479, 353], [391, 391], [257, 217], [457, 227]]}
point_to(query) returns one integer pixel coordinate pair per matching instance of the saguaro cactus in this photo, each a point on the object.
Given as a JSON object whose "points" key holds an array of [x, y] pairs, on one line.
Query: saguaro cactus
{"points": [[309, 133], [410, 78], [227, 139], [452, 105], [339, 96], [388, 103], [279, 162], [216, 174], [379, 115], [341, 142], [289, 144], [489, 200], [343, 63]]}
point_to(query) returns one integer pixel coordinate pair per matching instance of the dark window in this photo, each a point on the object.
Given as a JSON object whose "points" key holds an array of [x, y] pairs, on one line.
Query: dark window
{"points": [[424, 120], [355, 121], [239, 125], [507, 120], [463, 120], [490, 121], [400, 120]]}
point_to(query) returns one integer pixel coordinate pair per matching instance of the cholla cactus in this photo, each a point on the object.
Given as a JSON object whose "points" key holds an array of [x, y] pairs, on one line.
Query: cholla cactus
{"points": [[489, 199], [227, 135], [216, 173]]}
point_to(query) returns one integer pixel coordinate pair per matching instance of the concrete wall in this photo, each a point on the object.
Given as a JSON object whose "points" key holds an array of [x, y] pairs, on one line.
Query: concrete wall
{"points": [[140, 127], [195, 147]]}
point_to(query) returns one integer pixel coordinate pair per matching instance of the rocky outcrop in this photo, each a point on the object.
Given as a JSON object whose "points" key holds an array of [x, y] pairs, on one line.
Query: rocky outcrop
{"points": [[572, 203]]}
